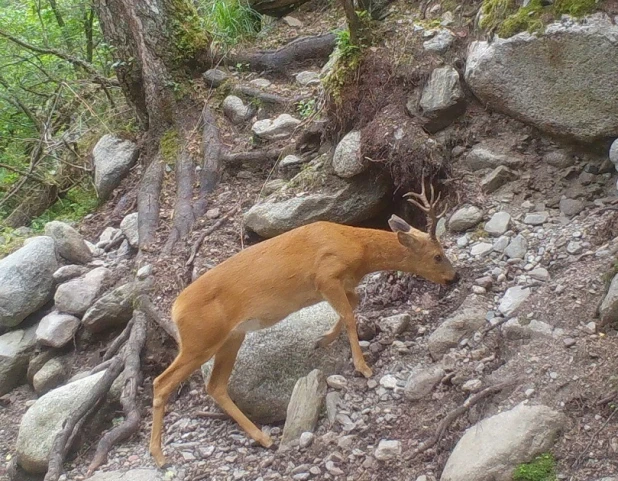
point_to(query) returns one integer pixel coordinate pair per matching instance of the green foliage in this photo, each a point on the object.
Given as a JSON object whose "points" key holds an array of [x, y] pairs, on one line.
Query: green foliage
{"points": [[306, 108], [507, 18], [542, 468], [78, 202], [229, 21], [344, 44]]}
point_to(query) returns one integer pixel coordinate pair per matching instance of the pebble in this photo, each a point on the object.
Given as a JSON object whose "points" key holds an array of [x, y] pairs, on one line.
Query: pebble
{"points": [[472, 385], [569, 342], [306, 439], [387, 450], [336, 382], [389, 381]]}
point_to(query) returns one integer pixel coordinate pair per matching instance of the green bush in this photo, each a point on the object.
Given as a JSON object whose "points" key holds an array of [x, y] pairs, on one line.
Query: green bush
{"points": [[542, 468]]}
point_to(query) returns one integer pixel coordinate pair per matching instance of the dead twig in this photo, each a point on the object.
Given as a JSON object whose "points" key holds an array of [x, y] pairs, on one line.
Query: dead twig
{"points": [[211, 415], [456, 413], [198, 243], [594, 436]]}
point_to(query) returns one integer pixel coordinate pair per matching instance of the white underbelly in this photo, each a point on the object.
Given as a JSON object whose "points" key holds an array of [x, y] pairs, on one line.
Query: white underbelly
{"points": [[251, 325]]}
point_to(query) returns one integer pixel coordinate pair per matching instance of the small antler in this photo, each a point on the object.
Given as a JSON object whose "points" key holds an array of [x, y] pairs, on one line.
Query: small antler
{"points": [[428, 206]]}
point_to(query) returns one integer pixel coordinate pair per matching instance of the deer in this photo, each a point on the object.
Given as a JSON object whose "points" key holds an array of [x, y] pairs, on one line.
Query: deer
{"points": [[263, 284]]}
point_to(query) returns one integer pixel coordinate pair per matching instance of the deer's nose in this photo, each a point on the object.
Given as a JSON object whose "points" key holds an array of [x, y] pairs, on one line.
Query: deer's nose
{"points": [[455, 279]]}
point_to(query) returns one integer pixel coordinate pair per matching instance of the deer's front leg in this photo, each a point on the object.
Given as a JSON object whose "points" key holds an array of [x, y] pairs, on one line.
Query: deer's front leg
{"points": [[329, 336], [332, 290]]}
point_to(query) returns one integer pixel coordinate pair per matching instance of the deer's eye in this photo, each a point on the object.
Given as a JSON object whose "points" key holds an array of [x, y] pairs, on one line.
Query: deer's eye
{"points": [[437, 258]]}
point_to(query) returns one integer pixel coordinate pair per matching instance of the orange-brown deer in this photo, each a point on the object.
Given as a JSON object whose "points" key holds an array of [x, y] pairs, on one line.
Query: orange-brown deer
{"points": [[263, 284]]}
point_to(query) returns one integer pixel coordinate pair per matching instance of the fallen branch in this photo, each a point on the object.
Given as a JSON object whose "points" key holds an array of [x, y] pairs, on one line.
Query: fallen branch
{"points": [[61, 446], [211, 415], [254, 156], [317, 47], [456, 413], [128, 399], [184, 216]]}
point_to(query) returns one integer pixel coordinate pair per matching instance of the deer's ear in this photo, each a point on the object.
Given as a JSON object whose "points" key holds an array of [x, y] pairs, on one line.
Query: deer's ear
{"points": [[397, 224], [409, 240]]}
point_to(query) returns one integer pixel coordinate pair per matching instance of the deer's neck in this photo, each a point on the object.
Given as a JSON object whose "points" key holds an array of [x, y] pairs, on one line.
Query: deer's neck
{"points": [[383, 252]]}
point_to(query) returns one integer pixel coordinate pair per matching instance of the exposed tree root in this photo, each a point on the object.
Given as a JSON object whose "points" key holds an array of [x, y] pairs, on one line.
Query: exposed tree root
{"points": [[263, 96], [144, 304], [184, 215], [301, 50], [148, 202], [276, 8], [128, 399], [456, 413], [62, 441], [254, 156], [211, 164]]}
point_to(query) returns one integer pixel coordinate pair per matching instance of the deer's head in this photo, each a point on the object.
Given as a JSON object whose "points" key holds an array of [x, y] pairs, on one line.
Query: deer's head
{"points": [[426, 256]]}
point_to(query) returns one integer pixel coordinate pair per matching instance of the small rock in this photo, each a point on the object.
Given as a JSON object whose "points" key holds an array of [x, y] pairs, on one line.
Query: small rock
{"points": [[336, 381], [571, 207], [308, 78], [292, 22], [260, 83], [395, 325], [50, 376], [332, 405], [388, 381], [590, 328], [442, 100], [130, 230], [422, 381], [279, 128], [608, 312], [536, 218], [498, 224], [517, 247], [16, 347], [347, 160], [613, 153], [387, 450], [490, 156], [559, 159], [465, 218], [574, 247], [441, 42], [540, 274], [77, 295], [112, 310], [569, 342], [497, 178], [69, 242], [66, 273], [56, 330], [112, 157], [304, 407], [306, 439], [513, 298], [235, 109], [473, 385], [481, 249], [213, 213], [214, 77], [501, 243], [479, 290], [145, 271]]}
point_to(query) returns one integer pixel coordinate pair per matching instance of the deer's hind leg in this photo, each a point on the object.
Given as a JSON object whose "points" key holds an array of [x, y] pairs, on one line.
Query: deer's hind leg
{"points": [[218, 387], [183, 366]]}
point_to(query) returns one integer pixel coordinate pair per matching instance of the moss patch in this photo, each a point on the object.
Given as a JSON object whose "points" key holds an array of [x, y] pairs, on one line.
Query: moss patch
{"points": [[506, 18], [542, 468], [169, 145], [189, 36]]}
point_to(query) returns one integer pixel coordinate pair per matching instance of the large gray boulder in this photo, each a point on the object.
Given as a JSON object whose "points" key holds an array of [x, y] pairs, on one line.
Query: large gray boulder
{"points": [[113, 158], [609, 306], [539, 78], [69, 242], [470, 317], [44, 420], [347, 203], [26, 280], [443, 99], [271, 361], [15, 350], [77, 295], [493, 448]]}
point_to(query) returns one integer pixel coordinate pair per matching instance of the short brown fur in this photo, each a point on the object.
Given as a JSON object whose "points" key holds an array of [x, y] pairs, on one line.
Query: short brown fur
{"points": [[263, 284]]}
